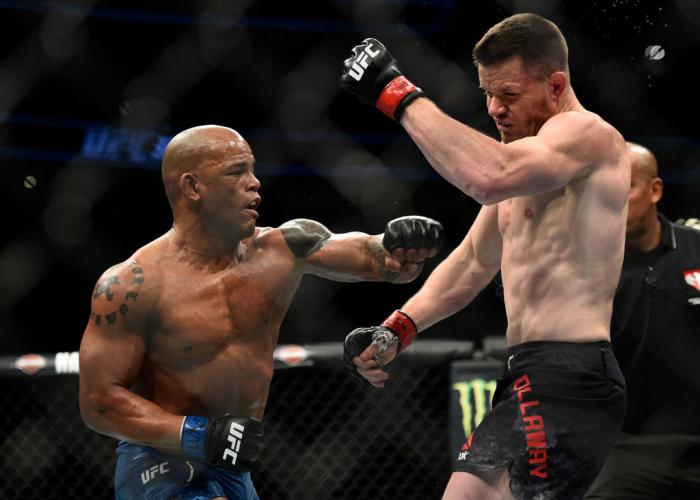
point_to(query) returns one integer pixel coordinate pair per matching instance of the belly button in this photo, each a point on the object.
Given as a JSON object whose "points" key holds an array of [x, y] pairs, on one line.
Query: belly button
{"points": [[529, 213], [188, 349]]}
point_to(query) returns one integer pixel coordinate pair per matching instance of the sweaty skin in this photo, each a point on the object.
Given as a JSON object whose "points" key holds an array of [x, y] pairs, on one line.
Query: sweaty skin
{"points": [[554, 192], [188, 324]]}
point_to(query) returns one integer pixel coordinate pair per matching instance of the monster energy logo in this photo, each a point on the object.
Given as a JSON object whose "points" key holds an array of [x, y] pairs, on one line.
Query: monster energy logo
{"points": [[475, 401]]}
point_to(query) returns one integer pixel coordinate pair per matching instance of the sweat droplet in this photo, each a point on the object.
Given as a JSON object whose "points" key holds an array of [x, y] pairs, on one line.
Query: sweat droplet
{"points": [[654, 52]]}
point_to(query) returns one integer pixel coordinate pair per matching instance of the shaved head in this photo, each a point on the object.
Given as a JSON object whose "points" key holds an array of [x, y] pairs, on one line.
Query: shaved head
{"points": [[644, 162], [192, 148]]}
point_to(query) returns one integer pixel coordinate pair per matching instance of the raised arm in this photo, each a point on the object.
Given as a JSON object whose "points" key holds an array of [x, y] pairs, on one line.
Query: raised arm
{"points": [[396, 256], [569, 145], [112, 353], [449, 288]]}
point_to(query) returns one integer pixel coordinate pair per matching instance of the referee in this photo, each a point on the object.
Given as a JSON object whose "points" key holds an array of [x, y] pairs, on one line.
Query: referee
{"points": [[656, 339]]}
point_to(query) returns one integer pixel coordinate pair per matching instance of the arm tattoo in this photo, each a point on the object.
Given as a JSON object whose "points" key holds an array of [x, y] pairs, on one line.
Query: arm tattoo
{"points": [[377, 252], [304, 237], [131, 294]]}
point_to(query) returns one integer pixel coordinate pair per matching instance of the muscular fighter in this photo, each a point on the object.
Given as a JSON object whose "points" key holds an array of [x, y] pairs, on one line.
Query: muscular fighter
{"points": [[177, 357], [554, 193]]}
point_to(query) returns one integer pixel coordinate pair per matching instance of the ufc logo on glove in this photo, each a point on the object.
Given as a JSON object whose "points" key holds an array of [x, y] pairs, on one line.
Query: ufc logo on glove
{"points": [[235, 434], [359, 66]]}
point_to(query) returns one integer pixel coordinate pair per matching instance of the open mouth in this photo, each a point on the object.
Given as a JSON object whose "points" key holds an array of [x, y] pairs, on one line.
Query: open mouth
{"points": [[502, 125], [253, 205]]}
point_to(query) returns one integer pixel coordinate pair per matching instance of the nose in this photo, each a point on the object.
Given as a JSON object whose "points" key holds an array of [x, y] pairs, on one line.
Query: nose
{"points": [[496, 108], [254, 183]]}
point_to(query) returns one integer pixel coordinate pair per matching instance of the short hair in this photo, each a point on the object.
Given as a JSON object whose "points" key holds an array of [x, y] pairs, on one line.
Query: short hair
{"points": [[534, 39]]}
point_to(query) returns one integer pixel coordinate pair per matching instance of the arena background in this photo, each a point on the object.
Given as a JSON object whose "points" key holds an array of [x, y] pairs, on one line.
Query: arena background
{"points": [[91, 91]]}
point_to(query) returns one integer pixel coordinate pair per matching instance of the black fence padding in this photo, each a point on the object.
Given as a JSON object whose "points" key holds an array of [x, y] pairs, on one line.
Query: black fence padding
{"points": [[328, 435]]}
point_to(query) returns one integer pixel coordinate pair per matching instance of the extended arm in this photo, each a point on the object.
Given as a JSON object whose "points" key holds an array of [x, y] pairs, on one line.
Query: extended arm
{"points": [[449, 288], [395, 256]]}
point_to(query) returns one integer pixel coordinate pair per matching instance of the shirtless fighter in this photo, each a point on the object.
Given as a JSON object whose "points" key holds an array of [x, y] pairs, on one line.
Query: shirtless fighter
{"points": [[176, 360], [554, 191]]}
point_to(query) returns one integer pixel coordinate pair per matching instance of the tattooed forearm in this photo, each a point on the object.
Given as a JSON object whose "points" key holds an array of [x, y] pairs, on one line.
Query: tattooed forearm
{"points": [[378, 254], [111, 287], [304, 237]]}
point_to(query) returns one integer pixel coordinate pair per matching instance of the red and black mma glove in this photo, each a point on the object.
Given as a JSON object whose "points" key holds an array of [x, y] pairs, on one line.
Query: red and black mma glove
{"points": [[230, 442], [372, 74]]}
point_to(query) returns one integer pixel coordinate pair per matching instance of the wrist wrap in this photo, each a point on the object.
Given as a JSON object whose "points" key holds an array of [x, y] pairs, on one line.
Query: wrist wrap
{"points": [[193, 434], [403, 326], [397, 94]]}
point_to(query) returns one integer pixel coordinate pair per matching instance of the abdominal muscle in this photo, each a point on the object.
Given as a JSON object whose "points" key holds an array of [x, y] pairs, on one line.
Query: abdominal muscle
{"points": [[235, 381], [558, 283]]}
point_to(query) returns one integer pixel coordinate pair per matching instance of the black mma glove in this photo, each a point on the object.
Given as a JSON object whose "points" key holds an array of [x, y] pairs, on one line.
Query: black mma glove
{"points": [[413, 231], [398, 327], [372, 75], [230, 442]]}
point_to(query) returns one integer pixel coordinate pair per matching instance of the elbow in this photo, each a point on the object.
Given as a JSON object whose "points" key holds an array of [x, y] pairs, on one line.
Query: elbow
{"points": [[92, 407], [486, 192]]}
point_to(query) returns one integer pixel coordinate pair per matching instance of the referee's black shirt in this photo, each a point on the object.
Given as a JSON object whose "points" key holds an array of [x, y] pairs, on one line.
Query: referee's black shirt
{"points": [[656, 333]]}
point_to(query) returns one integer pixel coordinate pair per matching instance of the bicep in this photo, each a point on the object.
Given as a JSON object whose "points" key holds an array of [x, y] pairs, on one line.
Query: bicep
{"points": [[114, 345], [565, 148]]}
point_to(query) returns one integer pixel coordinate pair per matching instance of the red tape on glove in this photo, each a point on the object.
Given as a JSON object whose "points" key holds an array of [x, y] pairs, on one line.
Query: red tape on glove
{"points": [[403, 326], [393, 94]]}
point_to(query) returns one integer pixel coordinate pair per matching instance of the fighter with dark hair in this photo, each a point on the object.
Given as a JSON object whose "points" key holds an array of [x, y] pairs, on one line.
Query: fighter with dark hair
{"points": [[554, 194]]}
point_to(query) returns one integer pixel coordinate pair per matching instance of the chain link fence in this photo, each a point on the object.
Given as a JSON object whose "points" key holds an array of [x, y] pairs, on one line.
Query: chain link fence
{"points": [[328, 435]]}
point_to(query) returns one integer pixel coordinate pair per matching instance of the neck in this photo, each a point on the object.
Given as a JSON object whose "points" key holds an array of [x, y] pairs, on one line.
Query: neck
{"points": [[569, 102], [198, 241], [647, 239]]}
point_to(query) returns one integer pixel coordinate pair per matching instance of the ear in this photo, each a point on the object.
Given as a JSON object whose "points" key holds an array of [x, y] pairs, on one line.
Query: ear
{"points": [[189, 185], [557, 83], [657, 189]]}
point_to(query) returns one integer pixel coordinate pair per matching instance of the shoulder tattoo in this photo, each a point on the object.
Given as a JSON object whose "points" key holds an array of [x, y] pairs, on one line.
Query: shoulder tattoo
{"points": [[304, 237], [118, 291]]}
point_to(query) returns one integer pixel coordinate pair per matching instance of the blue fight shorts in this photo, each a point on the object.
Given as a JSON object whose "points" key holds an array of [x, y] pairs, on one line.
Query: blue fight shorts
{"points": [[148, 474]]}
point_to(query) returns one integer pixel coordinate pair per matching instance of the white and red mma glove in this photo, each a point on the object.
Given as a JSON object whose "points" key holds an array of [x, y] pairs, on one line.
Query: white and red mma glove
{"points": [[371, 73]]}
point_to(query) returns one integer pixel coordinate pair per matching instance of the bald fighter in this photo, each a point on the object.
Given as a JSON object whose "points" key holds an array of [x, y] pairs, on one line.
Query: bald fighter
{"points": [[656, 337], [177, 357], [554, 191]]}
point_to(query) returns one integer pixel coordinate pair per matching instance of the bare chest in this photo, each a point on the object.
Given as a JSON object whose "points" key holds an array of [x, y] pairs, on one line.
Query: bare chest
{"points": [[202, 315], [528, 216]]}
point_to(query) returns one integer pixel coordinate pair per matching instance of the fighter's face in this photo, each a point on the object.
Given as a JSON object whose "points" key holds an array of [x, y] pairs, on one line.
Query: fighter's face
{"points": [[230, 190], [516, 100]]}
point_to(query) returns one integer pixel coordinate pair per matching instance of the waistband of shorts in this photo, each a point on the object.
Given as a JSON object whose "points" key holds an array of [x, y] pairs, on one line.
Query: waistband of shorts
{"points": [[541, 345]]}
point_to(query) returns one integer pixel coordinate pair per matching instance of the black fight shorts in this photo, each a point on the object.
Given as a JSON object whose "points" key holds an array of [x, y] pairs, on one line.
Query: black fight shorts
{"points": [[556, 413]]}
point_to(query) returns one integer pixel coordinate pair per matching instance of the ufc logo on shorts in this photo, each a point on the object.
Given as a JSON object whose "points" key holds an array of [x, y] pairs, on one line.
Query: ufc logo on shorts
{"points": [[235, 434], [360, 64], [153, 471]]}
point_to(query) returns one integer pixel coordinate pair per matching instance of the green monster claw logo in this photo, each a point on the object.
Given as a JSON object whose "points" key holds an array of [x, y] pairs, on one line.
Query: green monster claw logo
{"points": [[475, 401]]}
